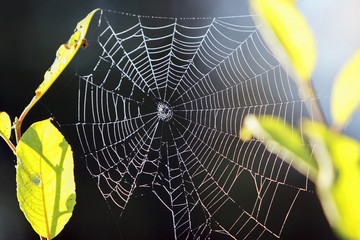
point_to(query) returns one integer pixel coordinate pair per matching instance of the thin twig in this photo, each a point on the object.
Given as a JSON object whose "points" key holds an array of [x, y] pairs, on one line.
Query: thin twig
{"points": [[313, 106]]}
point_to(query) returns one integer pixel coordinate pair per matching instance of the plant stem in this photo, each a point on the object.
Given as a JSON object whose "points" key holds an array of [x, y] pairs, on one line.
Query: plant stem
{"points": [[313, 106], [18, 121], [11, 145]]}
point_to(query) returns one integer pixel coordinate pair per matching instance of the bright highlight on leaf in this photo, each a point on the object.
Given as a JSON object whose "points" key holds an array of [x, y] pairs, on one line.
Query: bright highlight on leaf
{"points": [[288, 35], [5, 125], [346, 92], [245, 134], [45, 178], [338, 182], [280, 138]]}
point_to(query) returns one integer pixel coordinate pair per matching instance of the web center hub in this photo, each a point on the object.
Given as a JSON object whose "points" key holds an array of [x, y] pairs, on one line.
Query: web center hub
{"points": [[164, 111]]}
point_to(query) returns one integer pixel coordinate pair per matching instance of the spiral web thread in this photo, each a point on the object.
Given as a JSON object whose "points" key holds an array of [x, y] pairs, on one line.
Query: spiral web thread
{"points": [[159, 112]]}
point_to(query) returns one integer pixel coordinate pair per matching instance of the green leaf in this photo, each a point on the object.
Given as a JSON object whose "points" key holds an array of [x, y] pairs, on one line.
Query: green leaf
{"points": [[338, 182], [63, 56], [45, 178], [280, 138], [5, 125], [65, 53], [288, 35], [346, 92]]}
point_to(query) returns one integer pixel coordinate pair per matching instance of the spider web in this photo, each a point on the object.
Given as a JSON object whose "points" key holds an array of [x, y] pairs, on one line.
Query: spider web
{"points": [[160, 104]]}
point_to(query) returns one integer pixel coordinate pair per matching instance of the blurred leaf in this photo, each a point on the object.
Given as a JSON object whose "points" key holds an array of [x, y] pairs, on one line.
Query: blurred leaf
{"points": [[288, 35], [338, 182], [5, 125], [64, 54], [45, 178], [346, 92], [282, 139]]}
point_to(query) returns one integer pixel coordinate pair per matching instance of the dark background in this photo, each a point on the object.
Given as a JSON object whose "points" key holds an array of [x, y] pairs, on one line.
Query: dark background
{"points": [[31, 32]]}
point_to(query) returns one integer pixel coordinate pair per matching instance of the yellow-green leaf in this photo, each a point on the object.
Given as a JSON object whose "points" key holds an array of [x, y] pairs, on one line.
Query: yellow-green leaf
{"points": [[65, 53], [346, 92], [280, 138], [288, 35], [338, 182], [5, 125], [45, 178], [63, 56]]}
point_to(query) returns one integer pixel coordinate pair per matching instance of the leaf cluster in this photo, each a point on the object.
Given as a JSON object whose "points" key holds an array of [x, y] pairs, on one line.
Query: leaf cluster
{"points": [[330, 159]]}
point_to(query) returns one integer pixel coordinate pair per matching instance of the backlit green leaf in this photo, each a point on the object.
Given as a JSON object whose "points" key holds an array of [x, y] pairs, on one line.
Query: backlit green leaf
{"points": [[346, 92], [45, 178], [288, 35], [280, 138], [338, 182], [65, 53], [5, 125]]}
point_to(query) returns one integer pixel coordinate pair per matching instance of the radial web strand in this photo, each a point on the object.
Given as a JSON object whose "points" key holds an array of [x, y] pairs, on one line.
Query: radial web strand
{"points": [[160, 105]]}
